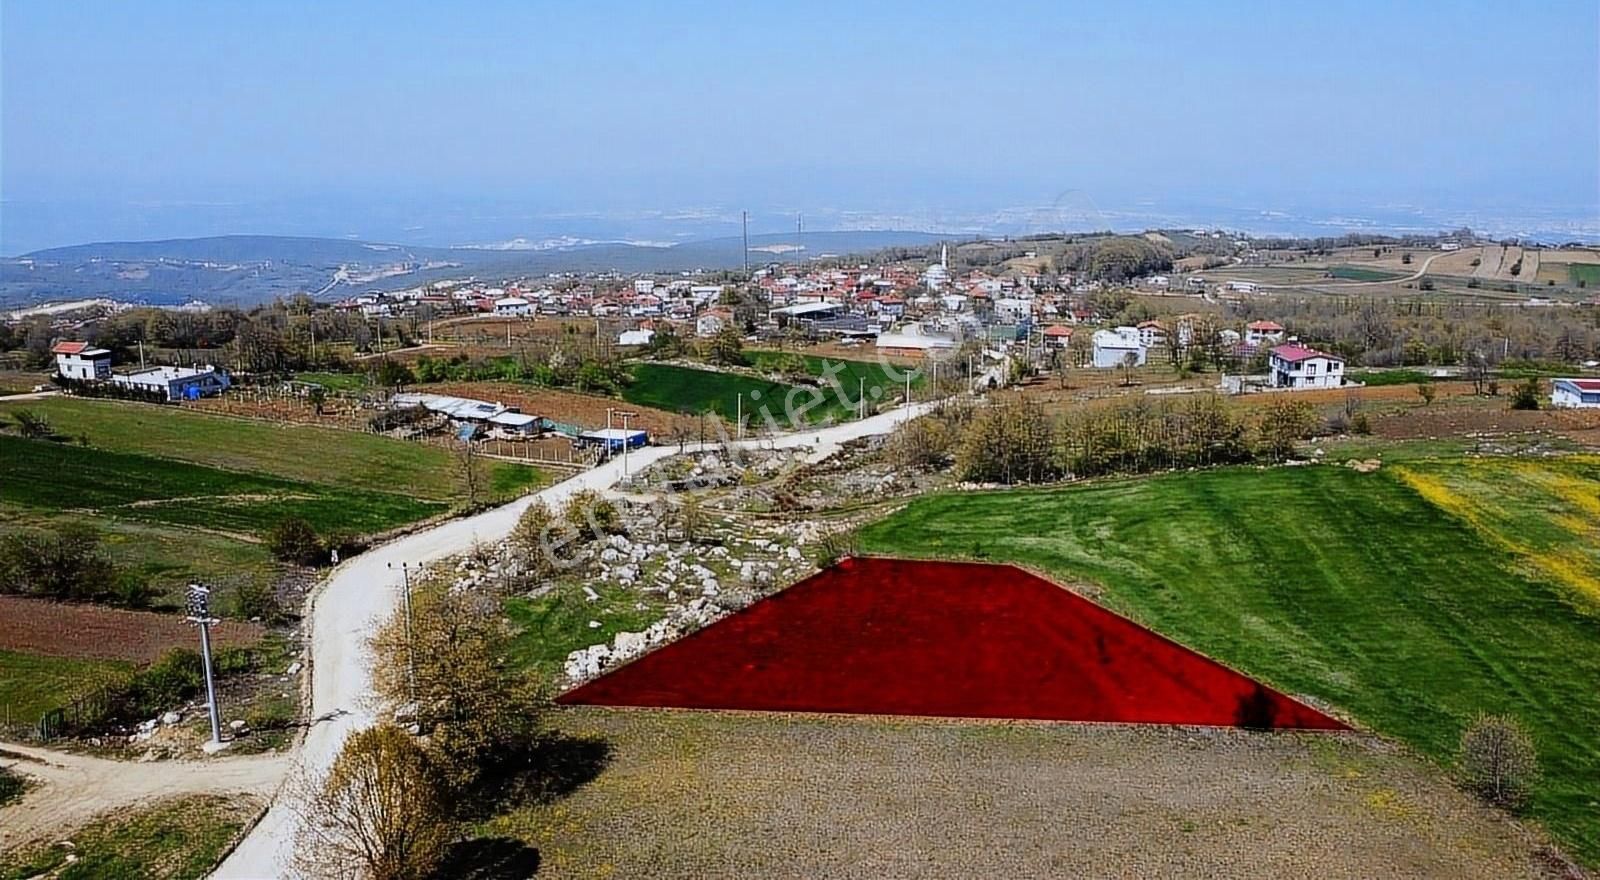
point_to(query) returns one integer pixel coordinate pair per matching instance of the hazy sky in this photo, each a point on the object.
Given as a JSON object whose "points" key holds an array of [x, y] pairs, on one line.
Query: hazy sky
{"points": [[114, 107]]}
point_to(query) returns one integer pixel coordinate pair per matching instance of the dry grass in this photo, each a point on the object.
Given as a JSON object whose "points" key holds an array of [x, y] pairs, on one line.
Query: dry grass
{"points": [[721, 795]]}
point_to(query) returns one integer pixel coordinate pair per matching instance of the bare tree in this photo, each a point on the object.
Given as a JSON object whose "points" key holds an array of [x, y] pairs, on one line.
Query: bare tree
{"points": [[1498, 761], [470, 472], [381, 813]]}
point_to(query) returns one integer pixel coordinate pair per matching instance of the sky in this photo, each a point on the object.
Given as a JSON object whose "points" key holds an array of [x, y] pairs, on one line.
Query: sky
{"points": [[160, 118]]}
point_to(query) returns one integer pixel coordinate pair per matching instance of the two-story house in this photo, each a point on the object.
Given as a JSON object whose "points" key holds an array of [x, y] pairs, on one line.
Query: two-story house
{"points": [[1295, 366]]}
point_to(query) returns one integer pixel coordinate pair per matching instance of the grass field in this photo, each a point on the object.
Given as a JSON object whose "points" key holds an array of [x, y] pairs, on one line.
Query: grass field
{"points": [[1361, 273], [176, 839], [347, 382], [1588, 273], [676, 389], [1351, 588], [685, 389], [557, 623], [31, 685], [167, 557], [294, 452], [59, 476], [1380, 378]]}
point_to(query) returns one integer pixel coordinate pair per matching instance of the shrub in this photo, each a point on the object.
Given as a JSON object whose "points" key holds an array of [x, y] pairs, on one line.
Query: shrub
{"points": [[1360, 424], [1498, 761], [257, 599], [68, 565], [12, 786], [592, 515], [294, 540], [1427, 392], [1526, 394], [32, 425], [835, 546]]}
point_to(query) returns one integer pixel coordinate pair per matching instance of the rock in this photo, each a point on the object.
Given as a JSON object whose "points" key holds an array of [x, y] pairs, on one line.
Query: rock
{"points": [[236, 725], [592, 596], [171, 718], [793, 553], [595, 624], [294, 668], [610, 554]]}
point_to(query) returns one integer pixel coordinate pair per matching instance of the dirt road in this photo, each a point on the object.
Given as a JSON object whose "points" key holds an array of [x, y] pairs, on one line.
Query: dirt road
{"points": [[75, 788], [364, 591]]}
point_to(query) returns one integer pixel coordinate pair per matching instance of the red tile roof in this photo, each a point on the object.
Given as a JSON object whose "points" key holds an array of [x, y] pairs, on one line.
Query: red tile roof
{"points": [[1586, 385], [1297, 353], [1057, 330], [69, 348], [1265, 326]]}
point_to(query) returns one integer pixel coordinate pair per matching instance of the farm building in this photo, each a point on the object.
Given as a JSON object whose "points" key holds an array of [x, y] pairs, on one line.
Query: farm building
{"points": [[177, 383], [466, 411], [914, 339], [80, 360], [1575, 393], [1112, 347], [635, 337], [1295, 366], [615, 439]]}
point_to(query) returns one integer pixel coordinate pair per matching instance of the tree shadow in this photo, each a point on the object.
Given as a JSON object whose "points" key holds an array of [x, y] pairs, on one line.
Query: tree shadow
{"points": [[540, 770], [488, 858], [1256, 710]]}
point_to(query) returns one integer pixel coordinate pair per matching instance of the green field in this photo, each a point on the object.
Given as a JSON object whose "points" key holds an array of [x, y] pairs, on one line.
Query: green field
{"points": [[1588, 273], [31, 685], [1356, 589], [165, 557], [57, 476], [346, 382], [1361, 273], [685, 389], [554, 625], [295, 452], [174, 839], [1379, 378], [853, 376]]}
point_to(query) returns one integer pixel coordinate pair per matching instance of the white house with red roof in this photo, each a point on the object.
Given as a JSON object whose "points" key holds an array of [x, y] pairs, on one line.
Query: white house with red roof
{"points": [[1058, 335], [80, 360], [1260, 333], [1296, 366], [1575, 393]]}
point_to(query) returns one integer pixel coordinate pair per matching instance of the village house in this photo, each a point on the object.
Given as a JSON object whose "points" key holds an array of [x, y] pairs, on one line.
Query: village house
{"points": [[513, 307], [914, 340], [712, 321], [1152, 333], [1295, 366], [177, 383], [1575, 393], [1057, 335], [80, 360], [1112, 347], [1260, 333]]}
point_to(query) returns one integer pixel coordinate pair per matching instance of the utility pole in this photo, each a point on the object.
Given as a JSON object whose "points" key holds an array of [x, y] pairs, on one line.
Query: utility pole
{"points": [[738, 419], [200, 614], [861, 397], [141, 354], [625, 415], [744, 223], [411, 651]]}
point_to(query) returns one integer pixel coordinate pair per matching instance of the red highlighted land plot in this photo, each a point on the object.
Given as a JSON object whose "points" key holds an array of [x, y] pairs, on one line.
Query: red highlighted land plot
{"points": [[943, 639]]}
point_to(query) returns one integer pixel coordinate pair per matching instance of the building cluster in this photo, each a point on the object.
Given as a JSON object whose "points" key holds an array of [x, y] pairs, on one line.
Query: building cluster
{"points": [[81, 362]]}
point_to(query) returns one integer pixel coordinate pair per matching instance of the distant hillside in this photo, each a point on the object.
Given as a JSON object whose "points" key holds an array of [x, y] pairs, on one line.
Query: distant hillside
{"points": [[245, 269]]}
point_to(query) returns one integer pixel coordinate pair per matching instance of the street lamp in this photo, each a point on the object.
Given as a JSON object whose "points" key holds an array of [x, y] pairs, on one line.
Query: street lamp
{"points": [[199, 608]]}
